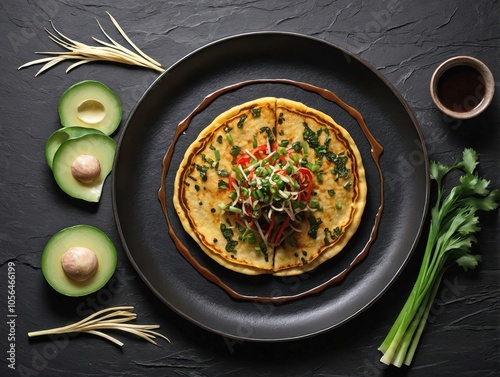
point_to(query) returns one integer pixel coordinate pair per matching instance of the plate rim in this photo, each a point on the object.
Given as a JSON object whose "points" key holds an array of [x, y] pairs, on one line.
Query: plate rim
{"points": [[351, 55]]}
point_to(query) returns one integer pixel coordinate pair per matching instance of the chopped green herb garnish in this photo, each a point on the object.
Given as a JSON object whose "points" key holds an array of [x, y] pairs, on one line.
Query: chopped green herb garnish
{"points": [[305, 148], [310, 136], [281, 150], [235, 210], [314, 167], [231, 245], [319, 176], [314, 226], [269, 132], [226, 232], [347, 185], [235, 150], [340, 170], [263, 249], [222, 184], [297, 146], [251, 238], [217, 154], [256, 113], [203, 171], [206, 159], [322, 150], [241, 121], [223, 173], [315, 204]]}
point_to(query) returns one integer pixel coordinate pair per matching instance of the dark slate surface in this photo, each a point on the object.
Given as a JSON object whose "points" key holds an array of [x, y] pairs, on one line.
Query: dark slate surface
{"points": [[405, 40]]}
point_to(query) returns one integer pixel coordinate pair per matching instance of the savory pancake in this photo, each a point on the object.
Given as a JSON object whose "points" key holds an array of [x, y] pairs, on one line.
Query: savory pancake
{"points": [[271, 186]]}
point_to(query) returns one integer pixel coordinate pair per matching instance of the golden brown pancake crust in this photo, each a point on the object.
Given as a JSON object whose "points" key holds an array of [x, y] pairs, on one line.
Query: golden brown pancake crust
{"points": [[198, 191]]}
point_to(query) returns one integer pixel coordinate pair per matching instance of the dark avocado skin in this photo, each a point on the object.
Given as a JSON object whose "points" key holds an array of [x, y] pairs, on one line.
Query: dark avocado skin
{"points": [[72, 98], [60, 136], [100, 146]]}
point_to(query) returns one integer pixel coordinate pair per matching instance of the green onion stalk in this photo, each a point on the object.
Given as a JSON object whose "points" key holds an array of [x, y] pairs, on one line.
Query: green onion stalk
{"points": [[452, 232]]}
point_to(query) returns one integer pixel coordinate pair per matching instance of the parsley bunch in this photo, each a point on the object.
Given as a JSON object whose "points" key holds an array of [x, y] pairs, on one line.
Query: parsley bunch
{"points": [[451, 235]]}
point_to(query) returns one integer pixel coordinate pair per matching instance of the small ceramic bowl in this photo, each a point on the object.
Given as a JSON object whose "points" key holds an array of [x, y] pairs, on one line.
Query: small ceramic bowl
{"points": [[462, 87]]}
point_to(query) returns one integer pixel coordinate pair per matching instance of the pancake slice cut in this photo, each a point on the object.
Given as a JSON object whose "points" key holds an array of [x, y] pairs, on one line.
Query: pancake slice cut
{"points": [[339, 187], [199, 189]]}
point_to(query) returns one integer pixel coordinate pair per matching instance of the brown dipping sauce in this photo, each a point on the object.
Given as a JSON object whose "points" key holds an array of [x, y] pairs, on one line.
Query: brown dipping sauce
{"points": [[376, 152], [461, 88]]}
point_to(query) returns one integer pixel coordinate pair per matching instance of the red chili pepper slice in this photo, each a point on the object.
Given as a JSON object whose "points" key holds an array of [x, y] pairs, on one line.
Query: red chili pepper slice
{"points": [[281, 230], [231, 181], [243, 160], [261, 148], [246, 158], [271, 226]]}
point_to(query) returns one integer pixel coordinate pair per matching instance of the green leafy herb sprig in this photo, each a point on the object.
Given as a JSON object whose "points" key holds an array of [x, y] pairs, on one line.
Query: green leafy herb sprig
{"points": [[452, 232]]}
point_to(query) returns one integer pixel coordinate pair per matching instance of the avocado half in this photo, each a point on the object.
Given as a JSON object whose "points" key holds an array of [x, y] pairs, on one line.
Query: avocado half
{"points": [[90, 104], [100, 147], [83, 236], [60, 136]]}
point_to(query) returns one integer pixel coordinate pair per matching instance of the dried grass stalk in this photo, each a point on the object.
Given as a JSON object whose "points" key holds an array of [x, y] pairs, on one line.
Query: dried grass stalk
{"points": [[110, 51], [107, 319]]}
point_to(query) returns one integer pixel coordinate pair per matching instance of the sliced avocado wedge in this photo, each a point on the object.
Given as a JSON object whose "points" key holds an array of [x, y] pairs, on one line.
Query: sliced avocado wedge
{"points": [[78, 260], [81, 165], [90, 104], [60, 136]]}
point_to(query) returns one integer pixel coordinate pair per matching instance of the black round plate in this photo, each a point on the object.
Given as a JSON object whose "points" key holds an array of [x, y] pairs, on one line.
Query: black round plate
{"points": [[269, 55]]}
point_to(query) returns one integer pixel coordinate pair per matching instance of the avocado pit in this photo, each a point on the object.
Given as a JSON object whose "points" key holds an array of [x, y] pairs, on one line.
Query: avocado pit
{"points": [[86, 168], [79, 263], [91, 111]]}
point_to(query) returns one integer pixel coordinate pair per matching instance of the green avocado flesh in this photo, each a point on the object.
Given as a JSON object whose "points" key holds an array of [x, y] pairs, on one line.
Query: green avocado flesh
{"points": [[90, 104], [78, 236], [101, 147], [60, 136]]}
